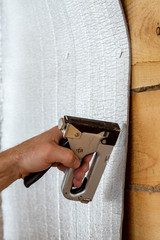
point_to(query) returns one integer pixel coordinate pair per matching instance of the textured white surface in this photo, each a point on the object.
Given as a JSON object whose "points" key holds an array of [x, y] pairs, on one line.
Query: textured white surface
{"points": [[63, 57]]}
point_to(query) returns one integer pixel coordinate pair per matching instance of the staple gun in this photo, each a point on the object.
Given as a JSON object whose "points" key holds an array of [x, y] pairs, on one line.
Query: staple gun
{"points": [[84, 136]]}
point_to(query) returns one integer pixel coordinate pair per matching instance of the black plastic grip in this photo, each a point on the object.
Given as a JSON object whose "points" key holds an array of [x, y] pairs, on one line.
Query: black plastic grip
{"points": [[34, 177]]}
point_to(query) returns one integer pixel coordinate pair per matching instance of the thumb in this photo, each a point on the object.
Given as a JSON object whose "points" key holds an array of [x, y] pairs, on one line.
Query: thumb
{"points": [[65, 156]]}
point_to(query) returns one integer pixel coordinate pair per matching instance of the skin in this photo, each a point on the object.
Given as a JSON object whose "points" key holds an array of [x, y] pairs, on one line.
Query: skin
{"points": [[37, 154]]}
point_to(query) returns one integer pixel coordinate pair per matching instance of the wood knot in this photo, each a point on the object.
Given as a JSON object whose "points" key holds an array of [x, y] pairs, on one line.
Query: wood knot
{"points": [[158, 31]]}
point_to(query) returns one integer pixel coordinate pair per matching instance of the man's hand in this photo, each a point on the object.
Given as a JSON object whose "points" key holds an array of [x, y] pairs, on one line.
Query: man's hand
{"points": [[37, 154]]}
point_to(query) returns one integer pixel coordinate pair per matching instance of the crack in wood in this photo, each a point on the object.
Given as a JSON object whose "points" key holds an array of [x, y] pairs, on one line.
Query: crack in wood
{"points": [[144, 62], [145, 89], [143, 188]]}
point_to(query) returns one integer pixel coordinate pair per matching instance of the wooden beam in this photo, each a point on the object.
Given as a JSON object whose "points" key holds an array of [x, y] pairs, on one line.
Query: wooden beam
{"points": [[144, 149], [145, 74], [144, 22], [141, 217], [142, 213]]}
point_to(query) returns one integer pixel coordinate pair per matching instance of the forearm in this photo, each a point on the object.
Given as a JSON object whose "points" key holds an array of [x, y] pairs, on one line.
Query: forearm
{"points": [[37, 154], [8, 167]]}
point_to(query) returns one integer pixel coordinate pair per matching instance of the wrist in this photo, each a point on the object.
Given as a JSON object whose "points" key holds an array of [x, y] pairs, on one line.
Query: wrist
{"points": [[9, 170], [12, 158]]}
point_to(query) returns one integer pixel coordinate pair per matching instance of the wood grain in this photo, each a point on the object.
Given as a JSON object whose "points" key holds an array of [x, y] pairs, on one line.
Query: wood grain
{"points": [[141, 218], [144, 151], [145, 74], [142, 221], [143, 20]]}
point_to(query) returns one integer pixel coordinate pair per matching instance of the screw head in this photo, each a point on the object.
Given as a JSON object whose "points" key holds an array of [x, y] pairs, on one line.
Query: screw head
{"points": [[104, 141], [76, 135]]}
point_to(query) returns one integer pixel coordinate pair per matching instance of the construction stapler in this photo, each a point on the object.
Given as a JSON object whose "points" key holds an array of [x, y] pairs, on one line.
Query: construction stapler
{"points": [[84, 136]]}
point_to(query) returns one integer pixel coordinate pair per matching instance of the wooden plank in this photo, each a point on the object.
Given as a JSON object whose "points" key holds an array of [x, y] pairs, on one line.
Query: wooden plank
{"points": [[144, 151], [145, 74], [142, 219], [143, 21]]}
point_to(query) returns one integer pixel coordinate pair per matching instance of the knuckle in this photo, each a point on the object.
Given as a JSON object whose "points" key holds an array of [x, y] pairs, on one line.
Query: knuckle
{"points": [[70, 156], [47, 150], [85, 167]]}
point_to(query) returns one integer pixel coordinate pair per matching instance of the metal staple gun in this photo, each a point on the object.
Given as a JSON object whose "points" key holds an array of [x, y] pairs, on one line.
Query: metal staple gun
{"points": [[84, 136]]}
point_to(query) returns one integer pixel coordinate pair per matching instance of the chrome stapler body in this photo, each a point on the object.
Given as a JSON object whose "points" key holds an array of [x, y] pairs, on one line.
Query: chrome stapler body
{"points": [[86, 136], [83, 136]]}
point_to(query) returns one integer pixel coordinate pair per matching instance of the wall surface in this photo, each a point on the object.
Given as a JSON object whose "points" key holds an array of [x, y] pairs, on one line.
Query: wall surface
{"points": [[143, 166], [64, 57]]}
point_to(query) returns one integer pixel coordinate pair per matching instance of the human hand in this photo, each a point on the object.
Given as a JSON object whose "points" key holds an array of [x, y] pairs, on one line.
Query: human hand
{"points": [[37, 154], [45, 150], [80, 172]]}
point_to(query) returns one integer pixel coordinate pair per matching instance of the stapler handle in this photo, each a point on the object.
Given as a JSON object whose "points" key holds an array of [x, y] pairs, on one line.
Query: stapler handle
{"points": [[34, 177]]}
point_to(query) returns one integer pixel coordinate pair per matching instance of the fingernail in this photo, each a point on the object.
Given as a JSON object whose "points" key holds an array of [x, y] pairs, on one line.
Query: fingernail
{"points": [[76, 163]]}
